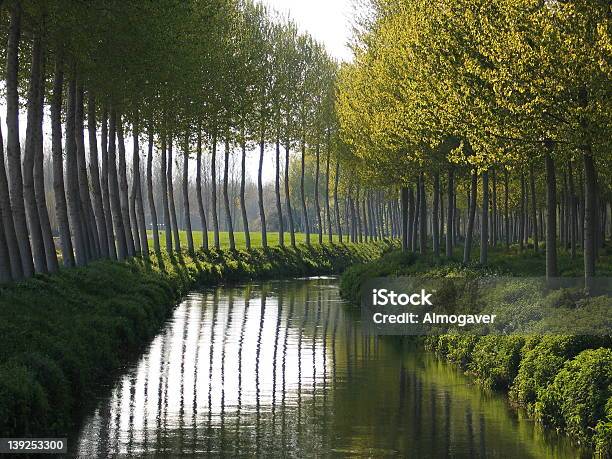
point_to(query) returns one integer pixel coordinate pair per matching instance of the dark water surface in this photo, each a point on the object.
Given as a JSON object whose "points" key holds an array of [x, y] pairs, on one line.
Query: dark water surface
{"points": [[282, 369]]}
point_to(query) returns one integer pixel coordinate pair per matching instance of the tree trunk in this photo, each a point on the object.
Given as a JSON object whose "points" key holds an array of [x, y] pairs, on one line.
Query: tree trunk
{"points": [[358, 212], [72, 181], [484, 232], [29, 194], [522, 225], [8, 225], [228, 211], [417, 216], [435, 215], [185, 184], [494, 229], [123, 190], [336, 204], [457, 222], [366, 221], [61, 210], [132, 206], [397, 219], [288, 196], [352, 224], [372, 213], [347, 228], [411, 217], [39, 183], [279, 208], [137, 190], [245, 218], [368, 211], [590, 217], [150, 196], [442, 214], [551, 217], [164, 192], [534, 216], [564, 213], [405, 218], [316, 196], [202, 212], [302, 194], [13, 148], [5, 263], [581, 210], [213, 194], [98, 206], [171, 203], [260, 198], [86, 206], [327, 209], [112, 249], [113, 185], [376, 213], [506, 202], [381, 215], [422, 215], [472, 214]]}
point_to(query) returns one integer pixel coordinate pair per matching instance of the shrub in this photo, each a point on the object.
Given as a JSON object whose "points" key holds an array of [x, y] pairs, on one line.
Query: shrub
{"points": [[576, 399], [542, 358], [495, 360], [24, 408], [603, 433]]}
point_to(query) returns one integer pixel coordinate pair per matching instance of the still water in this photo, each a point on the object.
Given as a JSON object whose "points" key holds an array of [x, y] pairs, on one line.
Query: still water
{"points": [[282, 369]]}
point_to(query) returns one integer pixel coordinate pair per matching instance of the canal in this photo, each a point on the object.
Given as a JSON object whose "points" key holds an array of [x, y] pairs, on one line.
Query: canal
{"points": [[282, 369]]}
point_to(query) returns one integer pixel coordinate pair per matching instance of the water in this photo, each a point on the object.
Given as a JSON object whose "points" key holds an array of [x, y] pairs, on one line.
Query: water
{"points": [[282, 369]]}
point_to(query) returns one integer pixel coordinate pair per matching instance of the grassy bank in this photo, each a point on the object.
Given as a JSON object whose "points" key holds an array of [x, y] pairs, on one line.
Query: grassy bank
{"points": [[564, 382], [239, 238], [62, 336]]}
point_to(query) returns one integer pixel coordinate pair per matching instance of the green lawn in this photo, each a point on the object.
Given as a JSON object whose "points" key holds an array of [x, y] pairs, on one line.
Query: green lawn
{"points": [[239, 238]]}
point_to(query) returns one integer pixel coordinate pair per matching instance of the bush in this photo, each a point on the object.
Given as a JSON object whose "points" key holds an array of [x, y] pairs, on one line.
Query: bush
{"points": [[603, 433], [542, 358], [576, 400], [495, 360], [24, 407]]}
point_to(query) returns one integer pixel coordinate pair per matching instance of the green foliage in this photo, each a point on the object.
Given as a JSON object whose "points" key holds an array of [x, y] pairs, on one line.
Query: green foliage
{"points": [[495, 360], [458, 348], [603, 433], [542, 358], [576, 400]]}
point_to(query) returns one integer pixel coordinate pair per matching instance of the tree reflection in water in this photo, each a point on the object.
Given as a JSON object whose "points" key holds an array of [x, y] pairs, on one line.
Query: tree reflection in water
{"points": [[283, 369]]}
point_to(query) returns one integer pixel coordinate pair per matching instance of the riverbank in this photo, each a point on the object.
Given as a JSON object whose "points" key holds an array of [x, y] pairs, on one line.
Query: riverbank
{"points": [[63, 336], [563, 382]]}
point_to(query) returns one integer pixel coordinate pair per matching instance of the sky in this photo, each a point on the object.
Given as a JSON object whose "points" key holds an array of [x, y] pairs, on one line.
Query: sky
{"points": [[328, 21]]}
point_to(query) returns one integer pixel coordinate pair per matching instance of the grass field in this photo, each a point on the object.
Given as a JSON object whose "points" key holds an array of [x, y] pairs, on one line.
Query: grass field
{"points": [[239, 237]]}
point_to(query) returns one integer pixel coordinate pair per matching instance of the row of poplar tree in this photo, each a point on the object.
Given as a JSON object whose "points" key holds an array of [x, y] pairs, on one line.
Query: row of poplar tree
{"points": [[171, 78], [501, 108]]}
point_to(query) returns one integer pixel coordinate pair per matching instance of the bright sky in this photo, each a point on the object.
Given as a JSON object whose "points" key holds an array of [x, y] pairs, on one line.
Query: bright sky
{"points": [[328, 21]]}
